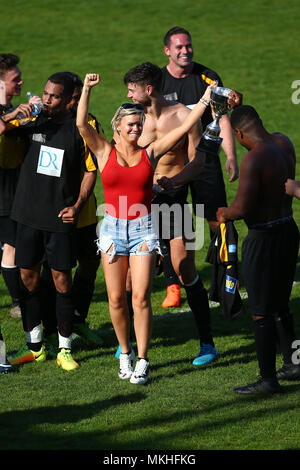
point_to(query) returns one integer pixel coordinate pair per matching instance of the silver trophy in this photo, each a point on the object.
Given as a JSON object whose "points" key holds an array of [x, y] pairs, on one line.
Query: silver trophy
{"points": [[210, 141]]}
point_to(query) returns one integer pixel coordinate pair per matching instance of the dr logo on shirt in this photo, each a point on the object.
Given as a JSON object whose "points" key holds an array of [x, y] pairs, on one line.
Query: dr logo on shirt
{"points": [[50, 161]]}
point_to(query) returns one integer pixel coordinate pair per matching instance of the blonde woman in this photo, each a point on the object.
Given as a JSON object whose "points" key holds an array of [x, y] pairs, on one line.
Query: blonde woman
{"points": [[128, 236]]}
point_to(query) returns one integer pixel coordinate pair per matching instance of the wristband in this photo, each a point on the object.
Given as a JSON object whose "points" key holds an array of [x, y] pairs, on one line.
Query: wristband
{"points": [[206, 103]]}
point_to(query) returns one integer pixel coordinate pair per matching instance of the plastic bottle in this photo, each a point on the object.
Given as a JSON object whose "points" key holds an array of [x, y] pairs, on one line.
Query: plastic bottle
{"points": [[37, 108]]}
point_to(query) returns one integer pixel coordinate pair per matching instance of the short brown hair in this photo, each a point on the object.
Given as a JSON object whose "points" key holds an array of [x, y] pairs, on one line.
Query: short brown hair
{"points": [[172, 31], [146, 74], [7, 62]]}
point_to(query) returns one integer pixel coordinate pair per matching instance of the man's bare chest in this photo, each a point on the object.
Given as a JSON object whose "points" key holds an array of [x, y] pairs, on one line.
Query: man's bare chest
{"points": [[155, 129]]}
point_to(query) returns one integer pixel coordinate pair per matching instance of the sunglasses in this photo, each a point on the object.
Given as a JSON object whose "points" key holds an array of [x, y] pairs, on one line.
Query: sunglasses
{"points": [[133, 106]]}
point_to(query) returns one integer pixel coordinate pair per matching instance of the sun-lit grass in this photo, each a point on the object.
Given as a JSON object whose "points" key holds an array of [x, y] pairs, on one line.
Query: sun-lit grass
{"points": [[253, 46]]}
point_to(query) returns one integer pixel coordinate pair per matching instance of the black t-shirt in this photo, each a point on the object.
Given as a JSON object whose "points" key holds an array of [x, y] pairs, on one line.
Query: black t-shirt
{"points": [[50, 174], [190, 89]]}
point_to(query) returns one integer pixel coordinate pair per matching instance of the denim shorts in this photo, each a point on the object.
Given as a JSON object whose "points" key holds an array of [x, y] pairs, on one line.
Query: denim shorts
{"points": [[126, 237]]}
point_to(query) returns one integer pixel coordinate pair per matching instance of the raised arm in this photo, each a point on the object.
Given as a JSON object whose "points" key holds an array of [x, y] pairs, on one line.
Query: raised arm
{"points": [[192, 169], [228, 146], [161, 146], [98, 145]]}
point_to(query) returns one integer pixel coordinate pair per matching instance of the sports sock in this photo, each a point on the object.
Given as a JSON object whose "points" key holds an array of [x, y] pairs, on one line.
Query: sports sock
{"points": [[168, 270], [48, 301], [64, 313], [34, 338], [3, 358], [286, 335], [265, 342], [82, 291], [198, 301], [11, 276], [30, 304], [63, 342], [36, 347]]}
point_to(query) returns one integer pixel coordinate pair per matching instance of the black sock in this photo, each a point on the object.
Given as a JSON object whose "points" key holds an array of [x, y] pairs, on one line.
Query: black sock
{"points": [[64, 312], [198, 301], [34, 346], [48, 301], [30, 304], [286, 335], [169, 273], [11, 278], [265, 342], [82, 291]]}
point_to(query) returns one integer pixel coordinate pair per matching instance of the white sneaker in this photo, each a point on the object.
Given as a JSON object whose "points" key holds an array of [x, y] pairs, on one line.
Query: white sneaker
{"points": [[126, 363], [141, 372]]}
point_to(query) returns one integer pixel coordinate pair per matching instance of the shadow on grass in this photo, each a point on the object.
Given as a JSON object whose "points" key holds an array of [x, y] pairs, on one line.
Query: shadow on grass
{"points": [[141, 432], [17, 427], [202, 419]]}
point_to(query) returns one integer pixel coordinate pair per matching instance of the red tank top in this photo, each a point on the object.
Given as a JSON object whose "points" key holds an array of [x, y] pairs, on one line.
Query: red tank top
{"points": [[127, 190]]}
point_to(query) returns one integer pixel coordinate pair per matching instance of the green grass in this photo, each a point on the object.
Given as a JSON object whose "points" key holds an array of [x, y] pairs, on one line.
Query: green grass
{"points": [[253, 45]]}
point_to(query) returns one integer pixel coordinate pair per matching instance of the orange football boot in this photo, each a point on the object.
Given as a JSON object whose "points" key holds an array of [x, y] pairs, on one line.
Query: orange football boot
{"points": [[173, 297]]}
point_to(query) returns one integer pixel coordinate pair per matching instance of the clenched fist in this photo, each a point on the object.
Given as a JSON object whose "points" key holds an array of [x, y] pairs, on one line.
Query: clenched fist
{"points": [[91, 79]]}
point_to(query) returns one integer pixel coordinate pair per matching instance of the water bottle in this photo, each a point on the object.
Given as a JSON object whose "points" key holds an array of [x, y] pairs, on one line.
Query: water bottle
{"points": [[37, 108]]}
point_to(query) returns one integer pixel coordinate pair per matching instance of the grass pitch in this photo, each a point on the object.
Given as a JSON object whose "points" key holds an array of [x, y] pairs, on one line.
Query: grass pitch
{"points": [[254, 47]]}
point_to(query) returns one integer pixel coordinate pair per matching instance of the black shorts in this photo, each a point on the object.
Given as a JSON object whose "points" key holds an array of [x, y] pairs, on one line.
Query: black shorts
{"points": [[8, 230], [269, 256], [173, 215], [34, 246], [85, 242], [209, 188]]}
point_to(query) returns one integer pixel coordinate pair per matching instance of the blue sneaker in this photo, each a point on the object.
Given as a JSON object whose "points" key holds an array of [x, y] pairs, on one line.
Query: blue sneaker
{"points": [[206, 355]]}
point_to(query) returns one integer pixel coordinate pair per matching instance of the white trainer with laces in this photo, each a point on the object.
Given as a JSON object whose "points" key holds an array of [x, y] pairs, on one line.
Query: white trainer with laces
{"points": [[126, 365], [141, 372]]}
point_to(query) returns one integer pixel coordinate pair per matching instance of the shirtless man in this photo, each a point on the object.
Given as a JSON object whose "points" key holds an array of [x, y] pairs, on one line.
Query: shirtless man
{"points": [[143, 82], [270, 250]]}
